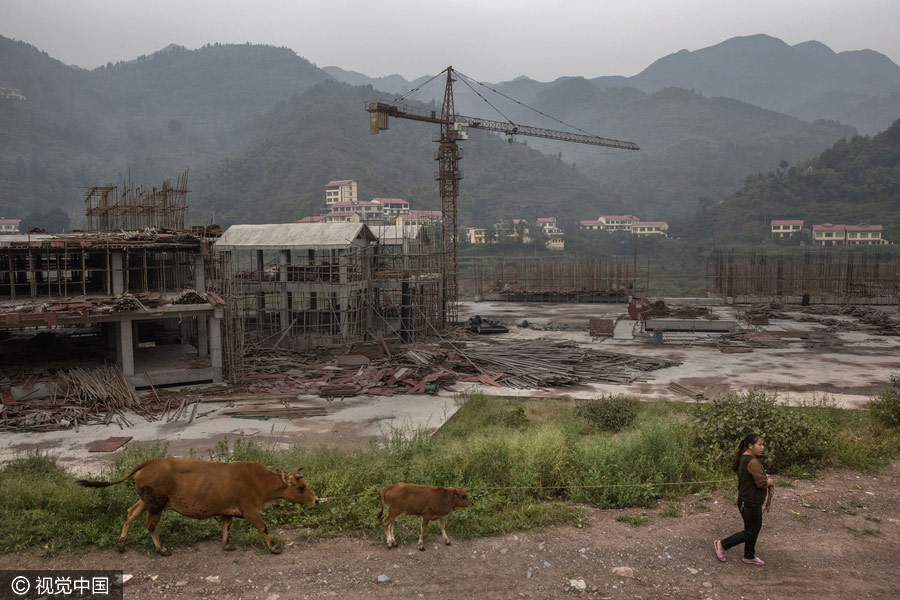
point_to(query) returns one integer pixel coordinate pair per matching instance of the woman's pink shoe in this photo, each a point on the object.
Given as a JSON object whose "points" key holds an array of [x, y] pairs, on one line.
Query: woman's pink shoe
{"points": [[720, 552], [754, 561]]}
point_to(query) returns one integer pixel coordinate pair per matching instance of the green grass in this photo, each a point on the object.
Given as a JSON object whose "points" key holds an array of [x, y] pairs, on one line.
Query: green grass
{"points": [[634, 520], [542, 448]]}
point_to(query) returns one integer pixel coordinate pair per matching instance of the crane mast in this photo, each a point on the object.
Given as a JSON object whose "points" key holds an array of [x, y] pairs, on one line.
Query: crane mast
{"points": [[453, 128]]}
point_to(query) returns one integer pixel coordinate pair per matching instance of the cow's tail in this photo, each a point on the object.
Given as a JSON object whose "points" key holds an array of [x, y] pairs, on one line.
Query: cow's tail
{"points": [[100, 484], [381, 512]]}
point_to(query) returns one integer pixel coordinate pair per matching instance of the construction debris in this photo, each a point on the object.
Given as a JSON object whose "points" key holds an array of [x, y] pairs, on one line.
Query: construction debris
{"points": [[190, 297], [685, 391], [478, 325], [78, 397], [538, 363]]}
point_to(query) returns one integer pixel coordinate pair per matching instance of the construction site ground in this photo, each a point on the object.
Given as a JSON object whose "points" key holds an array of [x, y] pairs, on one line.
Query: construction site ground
{"points": [[809, 361]]}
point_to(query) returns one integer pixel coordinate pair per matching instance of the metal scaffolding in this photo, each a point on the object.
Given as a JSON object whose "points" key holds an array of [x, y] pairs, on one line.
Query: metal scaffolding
{"points": [[311, 293], [818, 276], [137, 208], [552, 279]]}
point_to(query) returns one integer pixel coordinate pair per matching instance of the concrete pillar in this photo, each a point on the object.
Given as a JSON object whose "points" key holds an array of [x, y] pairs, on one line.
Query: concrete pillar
{"points": [[344, 294], [125, 347], [215, 343], [202, 335], [260, 296], [118, 274], [112, 342], [284, 303], [184, 325], [199, 273]]}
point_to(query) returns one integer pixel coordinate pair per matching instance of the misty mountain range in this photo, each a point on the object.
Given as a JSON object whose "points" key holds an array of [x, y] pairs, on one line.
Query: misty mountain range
{"points": [[259, 126]]}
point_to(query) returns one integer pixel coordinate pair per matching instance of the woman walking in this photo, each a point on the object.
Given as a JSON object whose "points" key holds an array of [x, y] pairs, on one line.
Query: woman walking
{"points": [[753, 484]]}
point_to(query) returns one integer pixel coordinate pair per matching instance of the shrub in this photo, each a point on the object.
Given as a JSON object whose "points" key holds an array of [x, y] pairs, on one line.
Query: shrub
{"points": [[610, 413], [794, 438], [886, 408]]}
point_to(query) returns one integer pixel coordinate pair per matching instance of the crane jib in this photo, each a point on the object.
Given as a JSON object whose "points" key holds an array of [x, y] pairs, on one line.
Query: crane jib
{"points": [[381, 110]]}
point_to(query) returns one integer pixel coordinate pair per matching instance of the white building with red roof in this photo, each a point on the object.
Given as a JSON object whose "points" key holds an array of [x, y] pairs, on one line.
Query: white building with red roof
{"points": [[827, 234], [393, 207], [617, 222], [9, 226]]}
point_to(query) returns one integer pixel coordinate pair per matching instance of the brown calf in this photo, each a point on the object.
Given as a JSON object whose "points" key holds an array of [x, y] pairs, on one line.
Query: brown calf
{"points": [[433, 503], [200, 489]]}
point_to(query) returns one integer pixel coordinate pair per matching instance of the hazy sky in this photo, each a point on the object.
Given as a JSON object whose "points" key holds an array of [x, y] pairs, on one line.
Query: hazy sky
{"points": [[490, 40]]}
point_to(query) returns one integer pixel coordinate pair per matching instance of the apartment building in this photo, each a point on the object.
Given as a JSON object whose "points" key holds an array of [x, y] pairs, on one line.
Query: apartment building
{"points": [[344, 190], [393, 207], [420, 217]]}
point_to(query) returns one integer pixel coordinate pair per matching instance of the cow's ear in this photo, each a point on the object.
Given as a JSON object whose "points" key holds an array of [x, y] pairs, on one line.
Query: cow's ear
{"points": [[285, 478]]}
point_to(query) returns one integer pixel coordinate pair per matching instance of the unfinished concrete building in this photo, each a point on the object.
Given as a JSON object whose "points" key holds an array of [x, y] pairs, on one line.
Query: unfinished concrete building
{"points": [[109, 296], [93, 297], [304, 285]]}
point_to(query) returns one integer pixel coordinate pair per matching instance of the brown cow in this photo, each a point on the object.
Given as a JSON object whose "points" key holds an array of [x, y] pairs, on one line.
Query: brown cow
{"points": [[200, 489], [433, 503]]}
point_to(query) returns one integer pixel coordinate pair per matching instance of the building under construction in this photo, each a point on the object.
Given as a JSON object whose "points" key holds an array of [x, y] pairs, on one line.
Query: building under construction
{"points": [[550, 279], [818, 276], [133, 297], [309, 285]]}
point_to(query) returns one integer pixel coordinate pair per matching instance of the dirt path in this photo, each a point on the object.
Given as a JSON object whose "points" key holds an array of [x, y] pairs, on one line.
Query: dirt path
{"points": [[833, 538]]}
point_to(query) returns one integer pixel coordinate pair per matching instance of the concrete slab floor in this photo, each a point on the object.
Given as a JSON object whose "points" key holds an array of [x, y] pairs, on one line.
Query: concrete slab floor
{"points": [[351, 422], [844, 367]]}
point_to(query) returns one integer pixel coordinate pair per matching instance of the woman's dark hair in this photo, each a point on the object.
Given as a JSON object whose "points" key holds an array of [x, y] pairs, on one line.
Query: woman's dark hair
{"points": [[745, 443]]}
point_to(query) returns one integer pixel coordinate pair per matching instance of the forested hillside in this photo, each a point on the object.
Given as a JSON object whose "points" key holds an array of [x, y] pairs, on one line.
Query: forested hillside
{"points": [[855, 181], [691, 146], [323, 134], [262, 130], [151, 117]]}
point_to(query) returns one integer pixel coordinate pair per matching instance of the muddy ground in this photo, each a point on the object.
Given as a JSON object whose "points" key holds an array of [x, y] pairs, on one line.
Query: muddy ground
{"points": [[831, 538]]}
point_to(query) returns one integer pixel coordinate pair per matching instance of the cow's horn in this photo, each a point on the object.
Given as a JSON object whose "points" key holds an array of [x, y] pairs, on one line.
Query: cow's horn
{"points": [[299, 469]]}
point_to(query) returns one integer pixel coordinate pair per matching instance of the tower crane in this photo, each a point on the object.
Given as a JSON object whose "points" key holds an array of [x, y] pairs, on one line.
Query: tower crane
{"points": [[454, 128]]}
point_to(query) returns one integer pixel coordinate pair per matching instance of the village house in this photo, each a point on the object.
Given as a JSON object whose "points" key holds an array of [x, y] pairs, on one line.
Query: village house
{"points": [[827, 234], [555, 235], [9, 226], [617, 222], [475, 235], [648, 228], [786, 228]]}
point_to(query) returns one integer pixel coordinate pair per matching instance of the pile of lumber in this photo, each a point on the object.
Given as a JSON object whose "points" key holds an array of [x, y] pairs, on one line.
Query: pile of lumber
{"points": [[538, 363], [79, 397]]}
